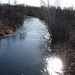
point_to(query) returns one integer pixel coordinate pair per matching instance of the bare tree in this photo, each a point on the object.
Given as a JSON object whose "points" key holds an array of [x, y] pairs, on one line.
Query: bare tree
{"points": [[46, 12], [8, 1], [57, 3], [9, 9], [0, 2], [15, 2], [50, 15], [46, 4]]}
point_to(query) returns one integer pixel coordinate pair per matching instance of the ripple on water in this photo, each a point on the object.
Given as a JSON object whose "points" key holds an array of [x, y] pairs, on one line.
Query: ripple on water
{"points": [[53, 66]]}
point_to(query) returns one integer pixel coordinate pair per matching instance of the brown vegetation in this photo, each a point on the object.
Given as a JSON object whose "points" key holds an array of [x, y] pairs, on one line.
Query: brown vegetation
{"points": [[11, 17]]}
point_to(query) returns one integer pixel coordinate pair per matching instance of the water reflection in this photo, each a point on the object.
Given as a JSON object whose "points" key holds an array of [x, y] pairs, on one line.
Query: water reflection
{"points": [[54, 66], [22, 52]]}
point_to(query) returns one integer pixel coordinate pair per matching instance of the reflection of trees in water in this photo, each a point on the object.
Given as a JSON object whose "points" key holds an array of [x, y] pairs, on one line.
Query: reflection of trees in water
{"points": [[14, 37], [22, 36], [3, 45], [7, 41], [0, 45]]}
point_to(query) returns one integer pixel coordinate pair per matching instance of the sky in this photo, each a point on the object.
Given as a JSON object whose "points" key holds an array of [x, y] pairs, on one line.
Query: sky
{"points": [[63, 3]]}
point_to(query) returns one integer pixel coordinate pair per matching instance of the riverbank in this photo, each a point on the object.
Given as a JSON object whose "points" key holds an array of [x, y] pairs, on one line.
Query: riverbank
{"points": [[64, 51], [63, 37], [11, 17]]}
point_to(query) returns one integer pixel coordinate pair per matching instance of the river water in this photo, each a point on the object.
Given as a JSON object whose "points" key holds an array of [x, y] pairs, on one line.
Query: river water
{"points": [[25, 52]]}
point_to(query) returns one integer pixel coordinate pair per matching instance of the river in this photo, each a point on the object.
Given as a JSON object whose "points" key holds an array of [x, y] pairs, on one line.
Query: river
{"points": [[25, 52]]}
